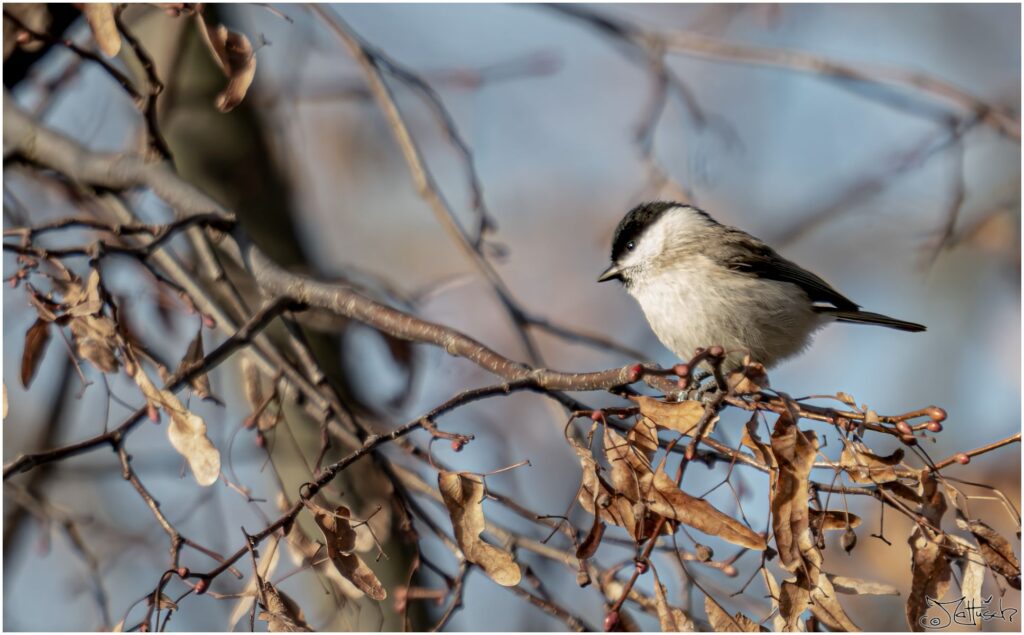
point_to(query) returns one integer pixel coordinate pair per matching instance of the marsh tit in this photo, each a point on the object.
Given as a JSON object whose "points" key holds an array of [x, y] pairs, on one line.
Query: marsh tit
{"points": [[701, 283]]}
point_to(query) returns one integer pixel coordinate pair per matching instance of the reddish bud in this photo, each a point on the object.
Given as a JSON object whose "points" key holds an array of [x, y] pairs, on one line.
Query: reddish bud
{"points": [[934, 426], [690, 453], [716, 351], [261, 440], [641, 566], [201, 586], [208, 321], [249, 423], [904, 428], [152, 413], [144, 627], [682, 370], [457, 445], [14, 282], [597, 415], [937, 414], [611, 621], [636, 371], [909, 439], [183, 572], [401, 598], [963, 458]]}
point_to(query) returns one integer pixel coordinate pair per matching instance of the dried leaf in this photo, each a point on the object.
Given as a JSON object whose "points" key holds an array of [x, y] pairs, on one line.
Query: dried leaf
{"points": [[463, 496], [306, 552], [929, 565], [590, 544], [644, 437], [268, 415], [826, 607], [750, 378], [100, 16], [597, 497], [84, 301], [664, 498], [794, 450], [236, 57], [35, 16], [671, 619], [833, 520], [267, 566], [164, 603], [681, 417], [95, 338], [35, 345], [201, 382], [865, 467], [283, 614], [627, 465], [995, 549], [722, 622], [341, 542], [856, 586], [187, 431]]}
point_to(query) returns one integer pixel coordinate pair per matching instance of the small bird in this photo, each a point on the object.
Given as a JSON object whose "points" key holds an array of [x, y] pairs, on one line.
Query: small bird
{"points": [[701, 283]]}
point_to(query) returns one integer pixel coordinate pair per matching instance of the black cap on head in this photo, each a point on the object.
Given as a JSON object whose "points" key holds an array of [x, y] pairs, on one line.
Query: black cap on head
{"points": [[635, 222]]}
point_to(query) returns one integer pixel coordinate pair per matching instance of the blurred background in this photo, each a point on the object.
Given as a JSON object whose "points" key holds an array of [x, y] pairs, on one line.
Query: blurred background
{"points": [[855, 181]]}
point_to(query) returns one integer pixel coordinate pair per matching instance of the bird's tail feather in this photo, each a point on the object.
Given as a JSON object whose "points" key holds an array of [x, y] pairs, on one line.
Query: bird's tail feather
{"points": [[865, 317]]}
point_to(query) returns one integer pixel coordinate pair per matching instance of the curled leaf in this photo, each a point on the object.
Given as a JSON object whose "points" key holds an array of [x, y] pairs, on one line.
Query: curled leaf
{"points": [[187, 431], [283, 614], [35, 345], [664, 498], [267, 565], [856, 586], [833, 520], [722, 622], [337, 529], [681, 417], [865, 467], [463, 496], [995, 549], [235, 55]]}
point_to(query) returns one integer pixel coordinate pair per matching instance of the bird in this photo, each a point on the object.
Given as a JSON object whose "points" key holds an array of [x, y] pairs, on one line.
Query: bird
{"points": [[701, 283]]}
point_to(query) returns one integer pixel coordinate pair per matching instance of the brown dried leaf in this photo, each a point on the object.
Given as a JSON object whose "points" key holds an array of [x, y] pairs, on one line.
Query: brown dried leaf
{"points": [[87, 301], [833, 520], [681, 417], [201, 382], [164, 603], [722, 622], [590, 544], [269, 414], [236, 57], [341, 542], [597, 497], [856, 586], [664, 498], [644, 437], [95, 338], [626, 464], [35, 345], [825, 606], [187, 431], [100, 16], [283, 614], [267, 566], [929, 563], [463, 496], [794, 599], [794, 450], [750, 378], [670, 618], [995, 549], [866, 467]]}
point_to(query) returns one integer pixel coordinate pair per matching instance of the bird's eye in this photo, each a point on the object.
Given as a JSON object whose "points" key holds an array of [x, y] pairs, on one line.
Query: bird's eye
{"points": [[631, 245]]}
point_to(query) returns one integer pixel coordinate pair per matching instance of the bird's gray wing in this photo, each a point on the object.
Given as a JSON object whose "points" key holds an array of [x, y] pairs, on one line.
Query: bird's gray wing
{"points": [[746, 254]]}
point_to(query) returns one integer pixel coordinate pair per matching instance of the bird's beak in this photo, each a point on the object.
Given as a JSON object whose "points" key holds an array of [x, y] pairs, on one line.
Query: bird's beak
{"points": [[611, 273]]}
